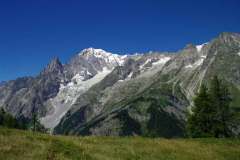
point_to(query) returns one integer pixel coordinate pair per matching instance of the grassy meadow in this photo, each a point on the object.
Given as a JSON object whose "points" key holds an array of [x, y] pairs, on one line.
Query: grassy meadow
{"points": [[25, 145]]}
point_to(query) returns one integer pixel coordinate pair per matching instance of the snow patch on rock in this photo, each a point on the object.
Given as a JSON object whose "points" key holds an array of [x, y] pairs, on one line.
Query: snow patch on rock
{"points": [[197, 63], [161, 61], [68, 95], [156, 67], [189, 66], [146, 62], [129, 76], [199, 47]]}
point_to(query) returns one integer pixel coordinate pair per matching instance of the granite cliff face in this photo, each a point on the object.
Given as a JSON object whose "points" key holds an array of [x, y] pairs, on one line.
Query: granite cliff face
{"points": [[100, 93]]}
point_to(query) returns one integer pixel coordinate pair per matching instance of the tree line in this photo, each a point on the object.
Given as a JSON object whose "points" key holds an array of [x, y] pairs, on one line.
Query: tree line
{"points": [[9, 121]]}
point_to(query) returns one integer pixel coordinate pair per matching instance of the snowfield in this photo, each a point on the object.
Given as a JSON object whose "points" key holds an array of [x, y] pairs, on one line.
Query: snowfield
{"points": [[197, 63], [67, 96]]}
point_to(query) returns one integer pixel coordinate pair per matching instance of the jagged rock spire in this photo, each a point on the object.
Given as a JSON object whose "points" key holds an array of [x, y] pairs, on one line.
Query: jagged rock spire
{"points": [[55, 66]]}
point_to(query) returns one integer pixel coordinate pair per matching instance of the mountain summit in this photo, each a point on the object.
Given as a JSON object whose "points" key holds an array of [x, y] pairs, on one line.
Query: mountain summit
{"points": [[108, 57]]}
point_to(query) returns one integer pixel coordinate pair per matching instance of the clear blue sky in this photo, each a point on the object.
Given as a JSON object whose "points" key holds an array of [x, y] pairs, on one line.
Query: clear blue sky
{"points": [[34, 31]]}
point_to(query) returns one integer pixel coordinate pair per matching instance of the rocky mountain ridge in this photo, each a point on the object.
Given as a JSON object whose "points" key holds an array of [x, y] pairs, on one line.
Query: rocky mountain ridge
{"points": [[100, 93]]}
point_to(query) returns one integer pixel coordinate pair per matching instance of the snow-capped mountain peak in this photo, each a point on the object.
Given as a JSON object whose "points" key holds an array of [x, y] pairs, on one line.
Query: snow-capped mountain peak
{"points": [[92, 51], [108, 57]]}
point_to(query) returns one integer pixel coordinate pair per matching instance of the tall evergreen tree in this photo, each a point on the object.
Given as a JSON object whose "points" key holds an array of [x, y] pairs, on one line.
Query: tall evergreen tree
{"points": [[211, 115], [200, 122], [36, 125], [220, 101], [2, 113]]}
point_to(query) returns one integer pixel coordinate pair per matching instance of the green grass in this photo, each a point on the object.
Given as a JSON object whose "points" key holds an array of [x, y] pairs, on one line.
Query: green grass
{"points": [[23, 145]]}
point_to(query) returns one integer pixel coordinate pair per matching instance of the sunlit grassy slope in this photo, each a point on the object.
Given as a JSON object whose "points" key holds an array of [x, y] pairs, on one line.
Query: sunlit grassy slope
{"points": [[22, 145]]}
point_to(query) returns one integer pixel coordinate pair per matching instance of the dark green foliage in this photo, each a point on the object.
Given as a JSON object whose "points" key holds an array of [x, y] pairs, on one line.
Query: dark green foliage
{"points": [[235, 92], [220, 100], [23, 122], [7, 120], [212, 116], [200, 122]]}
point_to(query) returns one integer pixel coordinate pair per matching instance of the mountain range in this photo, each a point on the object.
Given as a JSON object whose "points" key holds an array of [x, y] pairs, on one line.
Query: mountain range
{"points": [[101, 93]]}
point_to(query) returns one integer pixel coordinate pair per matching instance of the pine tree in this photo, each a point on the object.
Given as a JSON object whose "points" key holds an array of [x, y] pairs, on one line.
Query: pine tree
{"points": [[220, 101], [211, 116], [200, 122], [2, 112], [36, 125]]}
